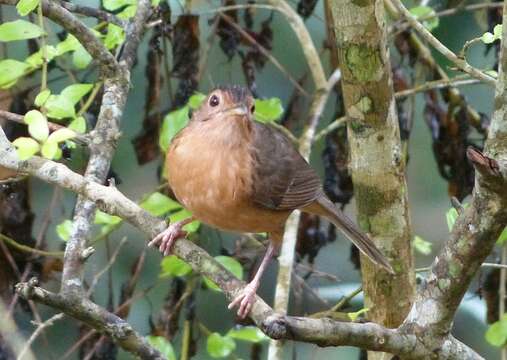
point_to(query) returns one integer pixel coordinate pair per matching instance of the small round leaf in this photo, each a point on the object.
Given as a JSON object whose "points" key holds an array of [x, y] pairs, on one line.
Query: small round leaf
{"points": [[61, 135], [42, 97], [26, 147], [219, 346], [49, 150], [37, 125]]}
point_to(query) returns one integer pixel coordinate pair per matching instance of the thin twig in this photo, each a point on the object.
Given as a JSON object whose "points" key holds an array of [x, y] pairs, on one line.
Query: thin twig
{"points": [[52, 126], [110, 263], [40, 328], [449, 12], [461, 80], [90, 99], [441, 48], [330, 128], [93, 12], [44, 76], [263, 51], [29, 249]]}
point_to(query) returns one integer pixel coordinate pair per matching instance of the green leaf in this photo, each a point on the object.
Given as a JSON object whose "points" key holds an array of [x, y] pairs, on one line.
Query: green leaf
{"points": [[59, 107], [158, 204], [49, 150], [115, 36], [64, 229], [163, 345], [69, 44], [248, 333], [25, 7], [230, 264], [173, 266], [496, 334], [196, 100], [497, 31], [113, 5], [426, 11], [26, 147], [172, 124], [268, 110], [184, 214], [503, 237], [488, 38], [10, 71], [128, 12], [42, 97], [219, 346], [155, 2], [35, 60], [61, 135], [353, 316], [101, 218], [78, 125], [37, 125], [80, 58], [75, 92], [19, 30], [451, 217], [422, 246]]}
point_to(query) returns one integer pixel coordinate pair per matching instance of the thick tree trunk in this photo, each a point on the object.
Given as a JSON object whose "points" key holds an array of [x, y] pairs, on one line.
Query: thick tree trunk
{"points": [[376, 162]]}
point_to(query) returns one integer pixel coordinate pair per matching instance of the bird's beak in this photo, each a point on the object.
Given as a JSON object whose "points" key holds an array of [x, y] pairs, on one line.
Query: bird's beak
{"points": [[240, 110]]}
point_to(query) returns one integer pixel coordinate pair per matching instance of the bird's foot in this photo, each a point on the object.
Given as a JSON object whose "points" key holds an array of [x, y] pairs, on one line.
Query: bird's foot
{"points": [[245, 300], [168, 237]]}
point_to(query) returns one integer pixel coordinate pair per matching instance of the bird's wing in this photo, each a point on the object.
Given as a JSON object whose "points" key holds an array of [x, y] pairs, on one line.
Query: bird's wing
{"points": [[282, 179]]}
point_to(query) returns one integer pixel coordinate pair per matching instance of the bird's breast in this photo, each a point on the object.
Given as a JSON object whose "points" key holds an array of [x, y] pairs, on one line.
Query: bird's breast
{"points": [[213, 180]]}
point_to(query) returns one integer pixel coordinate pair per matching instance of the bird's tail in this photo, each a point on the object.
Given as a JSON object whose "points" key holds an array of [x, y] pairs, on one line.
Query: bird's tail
{"points": [[326, 208]]}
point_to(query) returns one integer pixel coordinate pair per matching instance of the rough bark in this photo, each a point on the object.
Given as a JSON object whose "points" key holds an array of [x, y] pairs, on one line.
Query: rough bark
{"points": [[376, 158]]}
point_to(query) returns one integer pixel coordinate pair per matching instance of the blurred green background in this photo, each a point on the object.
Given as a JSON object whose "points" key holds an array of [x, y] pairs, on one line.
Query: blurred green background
{"points": [[427, 191]]}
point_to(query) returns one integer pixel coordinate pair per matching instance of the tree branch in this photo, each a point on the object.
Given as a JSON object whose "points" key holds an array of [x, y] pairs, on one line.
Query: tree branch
{"points": [[476, 230], [102, 149], [441, 48], [93, 315], [92, 12], [331, 333], [82, 139], [86, 37]]}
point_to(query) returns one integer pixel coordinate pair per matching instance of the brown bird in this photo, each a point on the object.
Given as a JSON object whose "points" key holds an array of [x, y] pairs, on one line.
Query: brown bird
{"points": [[239, 175]]}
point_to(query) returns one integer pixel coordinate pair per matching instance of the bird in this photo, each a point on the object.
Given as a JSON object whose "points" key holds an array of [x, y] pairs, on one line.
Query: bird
{"points": [[240, 175]]}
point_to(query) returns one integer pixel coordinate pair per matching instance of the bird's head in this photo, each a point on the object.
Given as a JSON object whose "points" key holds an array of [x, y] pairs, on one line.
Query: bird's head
{"points": [[226, 103]]}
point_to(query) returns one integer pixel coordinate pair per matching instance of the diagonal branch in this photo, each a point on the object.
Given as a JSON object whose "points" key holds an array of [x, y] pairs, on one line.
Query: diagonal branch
{"points": [[370, 336], [461, 63], [86, 37], [476, 230], [102, 149], [93, 315], [92, 12]]}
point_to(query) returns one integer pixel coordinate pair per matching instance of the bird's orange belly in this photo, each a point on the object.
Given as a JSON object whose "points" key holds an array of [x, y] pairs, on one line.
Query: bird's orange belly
{"points": [[222, 211], [220, 200]]}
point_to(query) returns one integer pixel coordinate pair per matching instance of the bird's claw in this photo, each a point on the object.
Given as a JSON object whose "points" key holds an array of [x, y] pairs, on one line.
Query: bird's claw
{"points": [[245, 301], [168, 237]]}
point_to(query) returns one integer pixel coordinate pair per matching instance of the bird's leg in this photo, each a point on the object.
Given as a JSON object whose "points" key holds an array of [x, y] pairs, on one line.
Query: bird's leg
{"points": [[167, 237], [246, 299]]}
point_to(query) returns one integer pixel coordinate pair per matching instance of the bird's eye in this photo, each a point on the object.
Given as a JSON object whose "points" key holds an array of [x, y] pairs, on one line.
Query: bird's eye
{"points": [[252, 109], [214, 101]]}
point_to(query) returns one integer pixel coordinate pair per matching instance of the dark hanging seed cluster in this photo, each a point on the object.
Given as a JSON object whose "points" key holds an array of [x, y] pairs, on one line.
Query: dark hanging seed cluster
{"points": [[306, 7], [146, 143], [185, 49], [450, 129], [232, 43], [229, 37]]}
